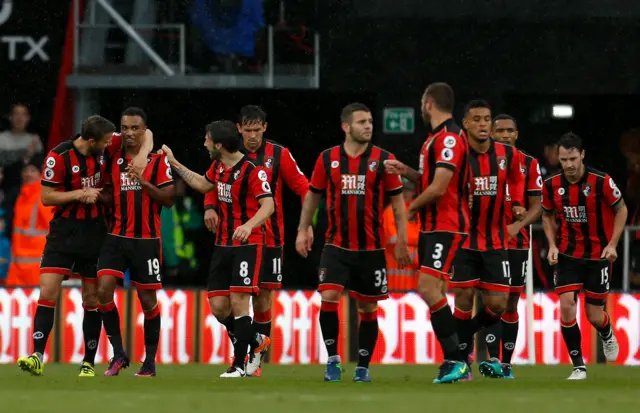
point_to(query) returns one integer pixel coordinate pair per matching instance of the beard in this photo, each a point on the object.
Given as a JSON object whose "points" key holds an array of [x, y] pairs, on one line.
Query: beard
{"points": [[426, 118], [359, 139], [215, 155]]}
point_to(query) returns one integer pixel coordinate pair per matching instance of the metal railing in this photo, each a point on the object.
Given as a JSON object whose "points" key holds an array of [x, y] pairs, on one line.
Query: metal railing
{"points": [[131, 30]]}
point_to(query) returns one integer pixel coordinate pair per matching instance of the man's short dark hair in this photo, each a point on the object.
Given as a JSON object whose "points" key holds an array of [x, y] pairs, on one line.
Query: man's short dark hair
{"points": [[347, 112], [19, 105], [250, 114], [504, 116], [442, 96], [476, 104], [570, 141], [225, 133], [135, 111], [95, 127]]}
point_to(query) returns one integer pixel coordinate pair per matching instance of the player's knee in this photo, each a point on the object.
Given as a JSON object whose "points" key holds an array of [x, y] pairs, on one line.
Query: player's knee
{"points": [[512, 303], [240, 304], [49, 287], [220, 307], [595, 313], [367, 307], [262, 302], [330, 295], [104, 293], [148, 299], [568, 305], [464, 298], [430, 288]]}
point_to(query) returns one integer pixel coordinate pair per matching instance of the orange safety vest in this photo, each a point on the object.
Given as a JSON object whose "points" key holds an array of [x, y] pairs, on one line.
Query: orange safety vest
{"points": [[30, 229], [401, 279]]}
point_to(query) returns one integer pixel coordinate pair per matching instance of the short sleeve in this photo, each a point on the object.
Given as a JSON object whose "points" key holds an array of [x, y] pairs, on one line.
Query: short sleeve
{"points": [[547, 195], [449, 151], [534, 179], [116, 144], [392, 183], [54, 170], [164, 176], [611, 193], [259, 183], [319, 177], [210, 175]]}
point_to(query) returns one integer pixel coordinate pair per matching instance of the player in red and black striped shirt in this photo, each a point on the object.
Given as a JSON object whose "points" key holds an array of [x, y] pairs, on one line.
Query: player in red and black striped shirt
{"points": [[72, 182], [276, 159], [354, 180], [588, 207], [444, 208], [133, 241], [483, 261], [505, 129], [243, 203]]}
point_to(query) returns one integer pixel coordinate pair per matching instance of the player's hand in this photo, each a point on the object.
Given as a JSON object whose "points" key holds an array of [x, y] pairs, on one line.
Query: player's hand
{"points": [[519, 212], [167, 151], [401, 254], [242, 233], [137, 166], [304, 243], [552, 255], [89, 195], [513, 230], [411, 213], [310, 234], [395, 167], [136, 172], [211, 220], [609, 253]]}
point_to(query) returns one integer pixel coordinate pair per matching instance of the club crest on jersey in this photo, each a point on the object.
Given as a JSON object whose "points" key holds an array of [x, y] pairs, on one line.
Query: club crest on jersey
{"points": [[586, 189], [101, 160], [373, 166], [560, 191], [268, 162], [51, 162], [523, 169], [502, 163], [120, 161], [236, 174], [221, 169], [322, 274], [335, 164], [75, 169]]}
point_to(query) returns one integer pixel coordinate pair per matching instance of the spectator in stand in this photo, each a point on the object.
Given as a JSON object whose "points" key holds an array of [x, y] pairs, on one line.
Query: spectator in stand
{"points": [[402, 279], [229, 28], [5, 250], [17, 146], [30, 228]]}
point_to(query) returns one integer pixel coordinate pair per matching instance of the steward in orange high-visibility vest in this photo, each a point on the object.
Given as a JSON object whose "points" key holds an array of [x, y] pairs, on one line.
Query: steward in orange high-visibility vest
{"points": [[30, 228], [402, 279]]}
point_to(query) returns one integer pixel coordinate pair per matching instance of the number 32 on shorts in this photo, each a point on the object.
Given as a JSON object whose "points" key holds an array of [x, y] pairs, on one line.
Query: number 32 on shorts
{"points": [[381, 279]]}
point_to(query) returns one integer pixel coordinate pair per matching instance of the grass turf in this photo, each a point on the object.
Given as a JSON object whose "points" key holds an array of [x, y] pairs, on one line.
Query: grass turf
{"points": [[300, 389]]}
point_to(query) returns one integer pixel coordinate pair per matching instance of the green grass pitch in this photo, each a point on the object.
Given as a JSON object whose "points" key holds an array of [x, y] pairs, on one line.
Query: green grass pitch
{"points": [[300, 389]]}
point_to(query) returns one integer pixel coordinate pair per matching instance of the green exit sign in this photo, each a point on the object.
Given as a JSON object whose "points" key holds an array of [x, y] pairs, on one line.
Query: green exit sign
{"points": [[399, 120]]}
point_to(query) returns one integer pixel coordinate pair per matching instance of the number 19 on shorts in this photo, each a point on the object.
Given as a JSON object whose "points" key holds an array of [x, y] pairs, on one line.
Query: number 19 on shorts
{"points": [[154, 268]]}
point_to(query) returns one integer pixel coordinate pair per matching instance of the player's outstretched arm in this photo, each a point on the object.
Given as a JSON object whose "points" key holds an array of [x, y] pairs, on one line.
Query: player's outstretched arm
{"points": [[395, 167], [304, 241], [50, 196], [194, 180]]}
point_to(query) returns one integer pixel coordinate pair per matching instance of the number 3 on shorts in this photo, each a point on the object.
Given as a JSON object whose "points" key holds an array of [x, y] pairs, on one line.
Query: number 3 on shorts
{"points": [[437, 255], [154, 267]]}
